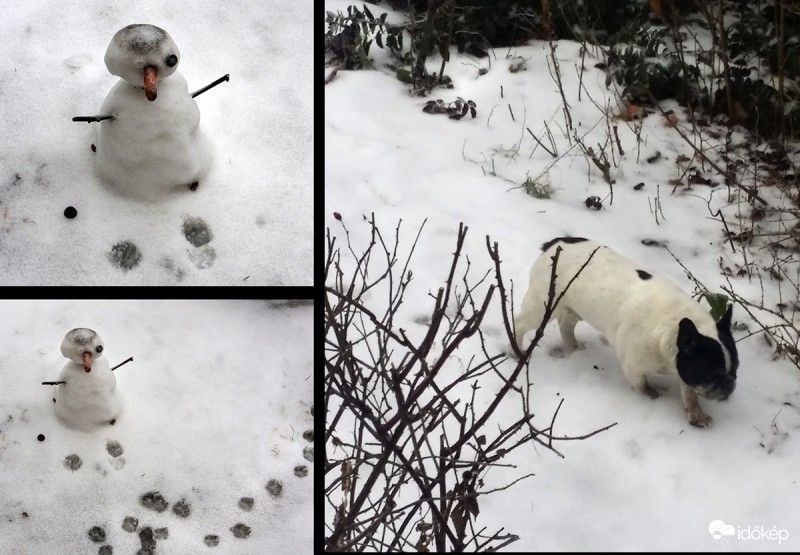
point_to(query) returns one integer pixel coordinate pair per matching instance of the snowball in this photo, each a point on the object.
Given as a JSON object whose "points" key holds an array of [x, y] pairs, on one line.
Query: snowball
{"points": [[137, 46], [79, 341]]}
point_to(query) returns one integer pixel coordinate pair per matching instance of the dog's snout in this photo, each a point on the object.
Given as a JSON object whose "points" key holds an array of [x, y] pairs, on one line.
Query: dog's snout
{"points": [[721, 392]]}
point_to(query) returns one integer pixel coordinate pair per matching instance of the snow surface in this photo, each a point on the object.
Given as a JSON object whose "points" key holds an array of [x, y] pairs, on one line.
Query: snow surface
{"points": [[256, 202], [652, 482], [217, 398]]}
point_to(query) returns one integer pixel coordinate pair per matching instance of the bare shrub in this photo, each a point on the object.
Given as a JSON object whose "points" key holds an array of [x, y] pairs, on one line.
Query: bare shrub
{"points": [[407, 448]]}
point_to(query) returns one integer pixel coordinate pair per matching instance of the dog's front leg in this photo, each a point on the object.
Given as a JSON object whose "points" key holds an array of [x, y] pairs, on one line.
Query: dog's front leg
{"points": [[694, 413]]}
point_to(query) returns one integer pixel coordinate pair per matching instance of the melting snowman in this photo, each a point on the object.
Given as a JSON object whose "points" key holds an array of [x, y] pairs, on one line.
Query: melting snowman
{"points": [[88, 398], [150, 141]]}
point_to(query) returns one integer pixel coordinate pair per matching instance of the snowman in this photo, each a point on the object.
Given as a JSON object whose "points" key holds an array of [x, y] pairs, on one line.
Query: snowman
{"points": [[88, 398], [149, 143]]}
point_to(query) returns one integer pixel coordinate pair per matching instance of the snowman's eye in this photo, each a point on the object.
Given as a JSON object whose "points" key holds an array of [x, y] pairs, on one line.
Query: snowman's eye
{"points": [[171, 60], [99, 349]]}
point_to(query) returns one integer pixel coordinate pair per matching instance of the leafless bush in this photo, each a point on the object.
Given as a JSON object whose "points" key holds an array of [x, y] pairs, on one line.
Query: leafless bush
{"points": [[406, 447], [761, 219]]}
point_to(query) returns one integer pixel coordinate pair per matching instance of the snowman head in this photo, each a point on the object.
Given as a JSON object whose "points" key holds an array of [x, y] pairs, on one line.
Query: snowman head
{"points": [[81, 346], [142, 54]]}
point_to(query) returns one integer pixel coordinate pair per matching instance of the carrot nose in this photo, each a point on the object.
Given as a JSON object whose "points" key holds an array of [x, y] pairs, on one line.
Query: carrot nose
{"points": [[150, 82], [87, 362]]}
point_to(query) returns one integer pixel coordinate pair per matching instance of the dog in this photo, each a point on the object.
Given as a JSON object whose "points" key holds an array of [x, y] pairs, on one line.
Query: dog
{"points": [[653, 326]]}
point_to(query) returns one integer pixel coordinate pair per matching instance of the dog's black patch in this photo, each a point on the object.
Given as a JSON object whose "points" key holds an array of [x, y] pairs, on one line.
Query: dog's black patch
{"points": [[701, 362], [643, 274], [568, 240]]}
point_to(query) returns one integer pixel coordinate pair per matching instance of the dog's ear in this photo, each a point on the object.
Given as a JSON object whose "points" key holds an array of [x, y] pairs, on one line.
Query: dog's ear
{"points": [[724, 324], [687, 336]]}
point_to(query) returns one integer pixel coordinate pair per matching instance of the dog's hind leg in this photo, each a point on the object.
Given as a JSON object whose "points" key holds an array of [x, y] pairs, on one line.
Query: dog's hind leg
{"points": [[637, 378], [529, 316], [648, 390], [567, 320]]}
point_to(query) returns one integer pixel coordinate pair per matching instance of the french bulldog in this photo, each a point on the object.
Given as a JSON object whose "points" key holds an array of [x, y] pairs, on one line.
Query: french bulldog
{"points": [[653, 326]]}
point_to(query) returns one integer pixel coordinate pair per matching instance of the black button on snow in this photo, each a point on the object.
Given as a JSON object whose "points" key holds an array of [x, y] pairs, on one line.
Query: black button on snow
{"points": [[40, 437], [70, 212]]}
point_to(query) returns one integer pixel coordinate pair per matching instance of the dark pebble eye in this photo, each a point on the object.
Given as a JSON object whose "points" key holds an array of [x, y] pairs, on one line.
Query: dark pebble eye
{"points": [[99, 349], [171, 60]]}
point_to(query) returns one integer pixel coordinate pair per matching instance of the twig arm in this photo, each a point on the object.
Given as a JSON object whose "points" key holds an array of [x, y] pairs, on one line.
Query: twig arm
{"points": [[52, 383], [121, 363], [225, 77], [92, 119]]}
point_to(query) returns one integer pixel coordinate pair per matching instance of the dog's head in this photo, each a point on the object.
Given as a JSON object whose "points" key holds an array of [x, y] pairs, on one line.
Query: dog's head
{"points": [[706, 364]]}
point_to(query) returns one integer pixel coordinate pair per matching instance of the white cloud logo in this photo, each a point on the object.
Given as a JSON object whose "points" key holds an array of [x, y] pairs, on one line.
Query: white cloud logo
{"points": [[718, 529]]}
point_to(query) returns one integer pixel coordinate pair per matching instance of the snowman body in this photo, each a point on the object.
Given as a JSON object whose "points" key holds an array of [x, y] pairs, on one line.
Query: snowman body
{"points": [[89, 398], [153, 143], [151, 148]]}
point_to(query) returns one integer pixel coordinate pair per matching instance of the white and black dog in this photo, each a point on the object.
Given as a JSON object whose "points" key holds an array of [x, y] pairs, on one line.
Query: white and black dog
{"points": [[653, 326]]}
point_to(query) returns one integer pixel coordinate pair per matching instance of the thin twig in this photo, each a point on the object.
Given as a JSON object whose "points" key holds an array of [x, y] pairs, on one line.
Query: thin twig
{"points": [[535, 138], [222, 79], [121, 363], [92, 119]]}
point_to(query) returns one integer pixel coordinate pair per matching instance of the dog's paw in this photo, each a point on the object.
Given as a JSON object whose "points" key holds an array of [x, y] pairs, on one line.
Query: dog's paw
{"points": [[648, 390], [562, 351], [698, 418]]}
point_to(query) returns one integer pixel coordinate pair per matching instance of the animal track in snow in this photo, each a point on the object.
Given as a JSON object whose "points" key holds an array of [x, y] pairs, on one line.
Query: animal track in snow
{"points": [[114, 448], [196, 231], [125, 254], [275, 488], [240, 530], [173, 268], [182, 508], [73, 462], [203, 258], [155, 501], [130, 524], [97, 534]]}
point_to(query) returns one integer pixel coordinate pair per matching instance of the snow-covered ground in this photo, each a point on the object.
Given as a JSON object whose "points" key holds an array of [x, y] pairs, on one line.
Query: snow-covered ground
{"points": [[256, 202], [652, 482], [217, 401]]}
